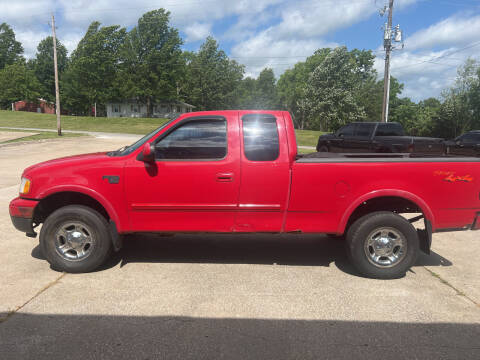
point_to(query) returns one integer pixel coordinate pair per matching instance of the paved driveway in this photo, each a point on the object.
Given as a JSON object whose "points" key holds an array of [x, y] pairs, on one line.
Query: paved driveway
{"points": [[246, 297]]}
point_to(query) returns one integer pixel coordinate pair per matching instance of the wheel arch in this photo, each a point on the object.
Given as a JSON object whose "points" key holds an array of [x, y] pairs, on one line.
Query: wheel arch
{"points": [[382, 200], [60, 195]]}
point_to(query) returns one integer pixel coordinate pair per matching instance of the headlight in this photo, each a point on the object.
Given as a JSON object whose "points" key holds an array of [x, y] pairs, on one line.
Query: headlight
{"points": [[25, 186]]}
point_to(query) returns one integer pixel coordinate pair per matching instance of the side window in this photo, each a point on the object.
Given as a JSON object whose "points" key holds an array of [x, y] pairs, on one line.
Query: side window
{"points": [[260, 137], [347, 130], [470, 138], [195, 140], [364, 130], [389, 130]]}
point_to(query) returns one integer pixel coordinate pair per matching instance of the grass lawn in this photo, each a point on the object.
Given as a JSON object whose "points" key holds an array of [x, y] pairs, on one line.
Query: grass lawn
{"points": [[308, 137], [45, 121], [305, 151], [40, 136], [24, 119]]}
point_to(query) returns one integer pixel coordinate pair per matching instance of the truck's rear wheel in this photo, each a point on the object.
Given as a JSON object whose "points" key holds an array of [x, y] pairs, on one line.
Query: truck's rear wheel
{"points": [[382, 245], [75, 239], [323, 148]]}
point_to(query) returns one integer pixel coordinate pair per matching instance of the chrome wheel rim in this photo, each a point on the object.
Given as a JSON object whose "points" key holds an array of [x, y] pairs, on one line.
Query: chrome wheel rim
{"points": [[74, 241], [385, 247]]}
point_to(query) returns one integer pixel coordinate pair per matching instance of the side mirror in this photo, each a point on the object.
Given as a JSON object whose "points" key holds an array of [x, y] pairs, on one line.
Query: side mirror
{"points": [[148, 153]]}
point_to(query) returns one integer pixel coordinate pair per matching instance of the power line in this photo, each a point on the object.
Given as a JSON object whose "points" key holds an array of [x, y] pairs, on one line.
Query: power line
{"points": [[440, 56]]}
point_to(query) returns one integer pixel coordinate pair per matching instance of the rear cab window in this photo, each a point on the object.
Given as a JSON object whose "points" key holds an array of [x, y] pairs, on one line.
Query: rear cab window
{"points": [[471, 138], [260, 137], [364, 129], [391, 129]]}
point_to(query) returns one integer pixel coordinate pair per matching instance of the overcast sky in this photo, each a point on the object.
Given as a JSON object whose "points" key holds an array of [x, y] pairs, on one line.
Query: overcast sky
{"points": [[440, 34]]}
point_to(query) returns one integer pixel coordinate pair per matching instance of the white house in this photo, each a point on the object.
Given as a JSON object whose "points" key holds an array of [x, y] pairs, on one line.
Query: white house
{"points": [[134, 108]]}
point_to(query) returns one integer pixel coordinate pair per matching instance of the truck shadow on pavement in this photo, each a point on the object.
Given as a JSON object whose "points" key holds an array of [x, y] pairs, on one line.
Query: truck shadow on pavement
{"points": [[34, 336], [294, 250], [291, 249]]}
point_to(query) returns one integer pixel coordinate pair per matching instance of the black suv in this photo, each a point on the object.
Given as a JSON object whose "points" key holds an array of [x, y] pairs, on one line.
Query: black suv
{"points": [[467, 144]]}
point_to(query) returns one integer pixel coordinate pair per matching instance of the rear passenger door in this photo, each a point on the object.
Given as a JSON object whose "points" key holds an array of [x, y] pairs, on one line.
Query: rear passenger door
{"points": [[362, 141], [265, 173], [343, 138]]}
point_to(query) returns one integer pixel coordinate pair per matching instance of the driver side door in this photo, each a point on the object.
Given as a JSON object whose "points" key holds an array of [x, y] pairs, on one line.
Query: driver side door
{"points": [[193, 184]]}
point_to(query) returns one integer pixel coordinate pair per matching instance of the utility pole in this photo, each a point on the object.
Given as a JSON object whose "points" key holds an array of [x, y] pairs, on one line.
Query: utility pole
{"points": [[57, 91], [387, 44]]}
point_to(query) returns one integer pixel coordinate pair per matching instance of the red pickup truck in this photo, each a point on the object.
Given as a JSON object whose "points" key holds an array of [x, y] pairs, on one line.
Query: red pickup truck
{"points": [[239, 171]]}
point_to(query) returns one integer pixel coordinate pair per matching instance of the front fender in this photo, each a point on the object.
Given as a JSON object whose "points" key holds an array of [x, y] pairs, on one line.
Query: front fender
{"points": [[112, 213]]}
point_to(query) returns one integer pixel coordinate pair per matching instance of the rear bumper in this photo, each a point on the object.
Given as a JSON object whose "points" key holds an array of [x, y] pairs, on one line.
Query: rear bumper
{"points": [[21, 214]]}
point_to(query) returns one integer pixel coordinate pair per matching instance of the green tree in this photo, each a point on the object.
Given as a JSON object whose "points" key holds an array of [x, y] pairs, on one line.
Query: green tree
{"points": [[245, 93], [260, 93], [213, 79], [43, 66], [93, 68], [153, 65], [370, 97], [17, 82], [291, 87], [10, 49], [294, 91], [331, 96], [459, 111], [265, 90]]}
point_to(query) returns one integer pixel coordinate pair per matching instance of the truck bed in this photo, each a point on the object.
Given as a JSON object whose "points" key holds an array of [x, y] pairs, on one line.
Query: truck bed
{"points": [[329, 157]]}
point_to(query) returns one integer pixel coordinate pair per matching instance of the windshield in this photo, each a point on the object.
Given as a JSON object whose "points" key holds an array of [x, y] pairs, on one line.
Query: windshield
{"points": [[131, 148]]}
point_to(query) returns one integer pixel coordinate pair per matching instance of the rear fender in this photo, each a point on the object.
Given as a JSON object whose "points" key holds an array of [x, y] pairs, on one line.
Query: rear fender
{"points": [[427, 212]]}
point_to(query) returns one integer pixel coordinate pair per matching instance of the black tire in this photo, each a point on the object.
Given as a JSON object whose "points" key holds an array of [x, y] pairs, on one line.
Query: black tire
{"points": [[92, 226], [323, 148], [363, 254]]}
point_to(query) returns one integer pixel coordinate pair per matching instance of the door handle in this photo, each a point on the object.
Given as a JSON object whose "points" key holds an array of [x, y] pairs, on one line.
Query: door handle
{"points": [[225, 177]]}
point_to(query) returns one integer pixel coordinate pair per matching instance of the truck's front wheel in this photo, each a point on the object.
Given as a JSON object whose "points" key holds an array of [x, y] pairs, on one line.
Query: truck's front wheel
{"points": [[382, 245], [75, 239]]}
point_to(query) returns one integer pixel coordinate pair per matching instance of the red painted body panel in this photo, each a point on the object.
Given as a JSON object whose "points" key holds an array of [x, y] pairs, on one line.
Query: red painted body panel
{"points": [[22, 208], [83, 174], [326, 194], [237, 195], [185, 195], [264, 186]]}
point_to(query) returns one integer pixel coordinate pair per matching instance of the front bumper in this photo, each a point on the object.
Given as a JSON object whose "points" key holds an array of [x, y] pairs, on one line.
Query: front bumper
{"points": [[21, 213]]}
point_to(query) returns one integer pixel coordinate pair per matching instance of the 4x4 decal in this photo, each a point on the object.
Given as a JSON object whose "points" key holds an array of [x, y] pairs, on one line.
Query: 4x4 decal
{"points": [[450, 176]]}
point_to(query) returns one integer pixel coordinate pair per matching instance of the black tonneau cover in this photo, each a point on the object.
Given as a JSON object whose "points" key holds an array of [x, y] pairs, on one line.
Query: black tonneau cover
{"points": [[328, 157]]}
